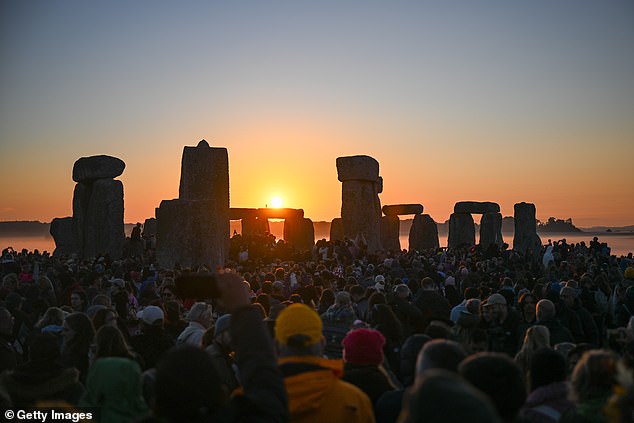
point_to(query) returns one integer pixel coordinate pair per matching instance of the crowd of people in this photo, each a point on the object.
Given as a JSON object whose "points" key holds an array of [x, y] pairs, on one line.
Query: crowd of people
{"points": [[336, 334]]}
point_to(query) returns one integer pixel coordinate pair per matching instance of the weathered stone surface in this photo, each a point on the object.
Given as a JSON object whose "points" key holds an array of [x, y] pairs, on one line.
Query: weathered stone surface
{"points": [[205, 174], [361, 212], [390, 226], [194, 230], [526, 241], [98, 218], [189, 234], [252, 226], [336, 229], [358, 168], [399, 209], [461, 230], [149, 227], [62, 232], [476, 207], [97, 167], [360, 205], [300, 233], [491, 230], [423, 234]]}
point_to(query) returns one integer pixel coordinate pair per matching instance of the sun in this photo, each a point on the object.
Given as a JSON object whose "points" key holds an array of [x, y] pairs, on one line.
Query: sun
{"points": [[276, 202]]}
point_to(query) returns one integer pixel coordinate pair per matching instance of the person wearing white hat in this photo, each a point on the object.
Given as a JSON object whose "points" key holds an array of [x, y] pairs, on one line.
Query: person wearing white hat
{"points": [[152, 342]]}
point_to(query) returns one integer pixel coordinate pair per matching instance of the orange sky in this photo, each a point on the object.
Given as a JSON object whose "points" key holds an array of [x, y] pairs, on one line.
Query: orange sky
{"points": [[456, 101]]}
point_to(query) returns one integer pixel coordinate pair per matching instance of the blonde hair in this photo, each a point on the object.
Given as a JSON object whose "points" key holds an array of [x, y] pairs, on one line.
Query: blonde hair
{"points": [[537, 337]]}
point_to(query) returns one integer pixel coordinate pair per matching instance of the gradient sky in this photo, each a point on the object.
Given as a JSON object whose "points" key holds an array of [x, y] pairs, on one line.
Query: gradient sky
{"points": [[503, 101]]}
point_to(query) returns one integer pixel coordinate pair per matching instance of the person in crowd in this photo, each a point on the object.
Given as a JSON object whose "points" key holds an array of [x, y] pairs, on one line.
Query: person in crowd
{"points": [[152, 342], [78, 301], [407, 313], [221, 352], [315, 390], [548, 399], [592, 381], [502, 329], [200, 317], [110, 342], [113, 387], [77, 336], [363, 362], [537, 337], [385, 321], [337, 322], [443, 397], [431, 304], [500, 378], [469, 293], [439, 354], [43, 377], [547, 316], [570, 300]]}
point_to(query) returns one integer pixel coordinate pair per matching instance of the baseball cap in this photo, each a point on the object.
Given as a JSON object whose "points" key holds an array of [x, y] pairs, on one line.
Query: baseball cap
{"points": [[495, 299], [151, 314]]}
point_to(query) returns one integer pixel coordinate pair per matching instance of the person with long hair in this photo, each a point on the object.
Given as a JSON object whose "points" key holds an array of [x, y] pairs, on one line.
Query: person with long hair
{"points": [[77, 336], [109, 342], [536, 337], [385, 321]]}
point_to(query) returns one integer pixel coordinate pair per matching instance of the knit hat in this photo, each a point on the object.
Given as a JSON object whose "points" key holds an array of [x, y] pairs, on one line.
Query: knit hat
{"points": [[151, 314], [363, 347], [222, 324], [298, 319]]}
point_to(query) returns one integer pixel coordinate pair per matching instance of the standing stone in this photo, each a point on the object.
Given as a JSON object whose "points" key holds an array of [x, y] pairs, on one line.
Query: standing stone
{"points": [[194, 230], [360, 204], [255, 226], [336, 229], [423, 234], [189, 235], [526, 241], [62, 232], [149, 227], [461, 230], [205, 175], [98, 217], [491, 230], [300, 233], [390, 227]]}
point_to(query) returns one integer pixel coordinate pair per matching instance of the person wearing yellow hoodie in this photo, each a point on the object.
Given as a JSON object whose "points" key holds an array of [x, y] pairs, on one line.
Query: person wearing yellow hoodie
{"points": [[313, 385]]}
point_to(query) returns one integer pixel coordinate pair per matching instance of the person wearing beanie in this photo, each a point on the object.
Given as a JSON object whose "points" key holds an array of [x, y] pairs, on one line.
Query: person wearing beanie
{"points": [[314, 387], [363, 358]]}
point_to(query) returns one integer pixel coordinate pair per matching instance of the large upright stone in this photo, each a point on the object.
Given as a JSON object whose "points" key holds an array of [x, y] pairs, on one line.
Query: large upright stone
{"points": [[491, 230], [255, 226], [476, 207], [461, 230], [300, 233], [526, 241], [98, 217], [189, 235], [401, 209], [336, 229], [149, 227], [423, 234], [360, 204], [390, 226], [62, 232], [194, 230], [97, 167], [205, 175]]}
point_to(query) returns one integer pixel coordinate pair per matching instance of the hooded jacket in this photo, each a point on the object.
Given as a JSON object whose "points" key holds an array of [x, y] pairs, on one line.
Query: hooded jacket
{"points": [[316, 394], [114, 386]]}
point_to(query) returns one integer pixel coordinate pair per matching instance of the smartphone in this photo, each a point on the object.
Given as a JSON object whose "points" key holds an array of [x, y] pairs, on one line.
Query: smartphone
{"points": [[197, 286]]}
